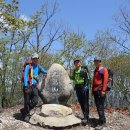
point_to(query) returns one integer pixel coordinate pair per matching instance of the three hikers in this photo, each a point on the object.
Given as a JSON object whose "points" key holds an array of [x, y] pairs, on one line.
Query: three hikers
{"points": [[82, 81], [30, 82]]}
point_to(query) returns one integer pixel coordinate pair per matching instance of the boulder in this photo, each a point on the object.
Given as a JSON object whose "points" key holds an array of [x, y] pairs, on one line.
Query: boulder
{"points": [[57, 111], [57, 116], [58, 87]]}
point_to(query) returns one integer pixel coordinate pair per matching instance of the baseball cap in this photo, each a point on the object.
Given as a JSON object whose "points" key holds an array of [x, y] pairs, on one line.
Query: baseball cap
{"points": [[76, 60], [35, 55]]}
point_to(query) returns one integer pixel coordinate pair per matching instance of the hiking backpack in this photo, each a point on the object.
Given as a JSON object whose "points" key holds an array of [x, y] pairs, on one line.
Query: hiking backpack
{"points": [[28, 62], [110, 78]]}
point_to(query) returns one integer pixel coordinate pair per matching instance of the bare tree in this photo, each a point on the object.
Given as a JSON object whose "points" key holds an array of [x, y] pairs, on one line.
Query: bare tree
{"points": [[45, 31], [121, 34]]}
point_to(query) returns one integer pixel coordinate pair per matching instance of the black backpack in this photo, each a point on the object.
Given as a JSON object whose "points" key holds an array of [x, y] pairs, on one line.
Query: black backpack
{"points": [[110, 79]]}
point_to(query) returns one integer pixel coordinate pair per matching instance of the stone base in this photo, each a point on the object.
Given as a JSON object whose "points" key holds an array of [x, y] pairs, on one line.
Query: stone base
{"points": [[62, 117]]}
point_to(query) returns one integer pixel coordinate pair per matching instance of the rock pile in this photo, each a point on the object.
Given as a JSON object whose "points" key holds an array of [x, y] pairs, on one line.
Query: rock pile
{"points": [[55, 116]]}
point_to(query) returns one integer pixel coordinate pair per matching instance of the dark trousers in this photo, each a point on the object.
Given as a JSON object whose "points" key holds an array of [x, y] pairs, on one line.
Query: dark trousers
{"points": [[30, 99], [83, 98], [99, 101]]}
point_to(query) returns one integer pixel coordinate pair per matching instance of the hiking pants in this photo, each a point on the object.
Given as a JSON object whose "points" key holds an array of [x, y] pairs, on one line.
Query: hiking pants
{"points": [[99, 101], [30, 99], [83, 99]]}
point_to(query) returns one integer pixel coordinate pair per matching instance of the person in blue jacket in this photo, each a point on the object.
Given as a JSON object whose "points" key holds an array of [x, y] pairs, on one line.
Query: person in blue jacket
{"points": [[30, 89]]}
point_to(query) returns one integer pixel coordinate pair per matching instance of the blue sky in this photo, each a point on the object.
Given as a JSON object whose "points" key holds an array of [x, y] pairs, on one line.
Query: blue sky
{"points": [[87, 16]]}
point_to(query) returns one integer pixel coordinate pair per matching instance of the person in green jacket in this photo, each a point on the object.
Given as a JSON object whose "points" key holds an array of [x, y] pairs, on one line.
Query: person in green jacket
{"points": [[81, 79]]}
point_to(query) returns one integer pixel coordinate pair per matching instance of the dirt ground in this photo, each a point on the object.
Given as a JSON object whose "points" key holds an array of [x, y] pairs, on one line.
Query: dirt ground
{"points": [[117, 119]]}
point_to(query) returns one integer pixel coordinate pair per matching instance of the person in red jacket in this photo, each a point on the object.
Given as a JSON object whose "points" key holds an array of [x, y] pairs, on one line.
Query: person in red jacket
{"points": [[99, 87]]}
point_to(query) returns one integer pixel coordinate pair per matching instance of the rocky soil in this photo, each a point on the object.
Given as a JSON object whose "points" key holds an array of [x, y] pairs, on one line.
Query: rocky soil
{"points": [[117, 119]]}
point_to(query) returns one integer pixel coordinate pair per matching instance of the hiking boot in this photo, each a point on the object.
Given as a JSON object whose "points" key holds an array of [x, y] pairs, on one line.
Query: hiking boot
{"points": [[26, 119], [100, 122], [101, 126], [22, 112], [85, 121]]}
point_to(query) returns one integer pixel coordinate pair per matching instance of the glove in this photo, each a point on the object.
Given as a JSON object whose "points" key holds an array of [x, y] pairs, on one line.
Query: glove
{"points": [[85, 89]]}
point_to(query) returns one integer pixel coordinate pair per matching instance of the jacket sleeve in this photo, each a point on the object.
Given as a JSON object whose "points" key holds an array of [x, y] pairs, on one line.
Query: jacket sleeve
{"points": [[105, 80], [26, 74], [42, 70]]}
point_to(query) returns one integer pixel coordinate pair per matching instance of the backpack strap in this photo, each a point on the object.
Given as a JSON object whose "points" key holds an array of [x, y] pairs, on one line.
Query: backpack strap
{"points": [[101, 72], [30, 77]]}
